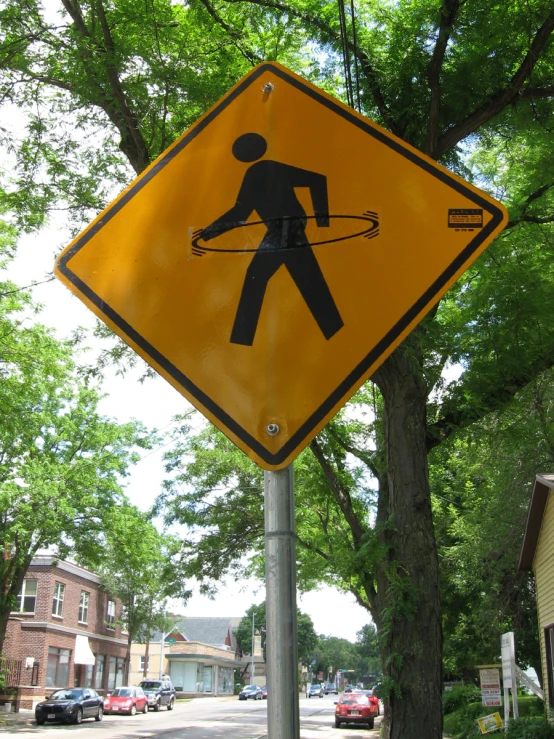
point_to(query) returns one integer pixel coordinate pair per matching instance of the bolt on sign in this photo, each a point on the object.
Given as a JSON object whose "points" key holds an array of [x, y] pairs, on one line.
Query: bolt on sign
{"points": [[271, 259]]}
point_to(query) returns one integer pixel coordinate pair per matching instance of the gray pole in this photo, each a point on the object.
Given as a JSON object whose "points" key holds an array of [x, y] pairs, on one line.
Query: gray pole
{"points": [[283, 719], [253, 669]]}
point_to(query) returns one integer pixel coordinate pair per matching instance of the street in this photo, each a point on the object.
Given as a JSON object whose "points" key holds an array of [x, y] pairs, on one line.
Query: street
{"points": [[203, 718]]}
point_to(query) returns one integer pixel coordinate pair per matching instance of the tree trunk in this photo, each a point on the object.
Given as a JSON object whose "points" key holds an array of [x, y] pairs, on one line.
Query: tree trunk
{"points": [[146, 656], [128, 658], [408, 598]]}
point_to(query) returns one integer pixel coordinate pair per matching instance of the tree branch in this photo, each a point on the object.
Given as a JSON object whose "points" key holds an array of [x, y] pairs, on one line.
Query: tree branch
{"points": [[448, 15], [234, 34], [502, 98], [342, 495], [461, 416], [364, 457], [365, 64], [115, 106]]}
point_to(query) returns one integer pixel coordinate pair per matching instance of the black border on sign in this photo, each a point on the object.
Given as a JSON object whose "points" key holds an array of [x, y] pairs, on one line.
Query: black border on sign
{"points": [[353, 377]]}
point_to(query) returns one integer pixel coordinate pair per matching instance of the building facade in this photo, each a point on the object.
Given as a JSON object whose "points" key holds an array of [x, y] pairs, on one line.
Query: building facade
{"points": [[65, 632], [537, 553], [200, 656]]}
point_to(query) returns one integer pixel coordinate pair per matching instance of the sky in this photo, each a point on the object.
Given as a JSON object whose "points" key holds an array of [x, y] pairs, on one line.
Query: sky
{"points": [[155, 403]]}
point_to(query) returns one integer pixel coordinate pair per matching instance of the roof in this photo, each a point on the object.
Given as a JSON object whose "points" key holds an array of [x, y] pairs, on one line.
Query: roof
{"points": [[543, 485], [212, 631]]}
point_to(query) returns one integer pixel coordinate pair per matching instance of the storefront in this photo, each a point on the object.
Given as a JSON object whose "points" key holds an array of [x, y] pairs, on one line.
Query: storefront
{"points": [[202, 674]]}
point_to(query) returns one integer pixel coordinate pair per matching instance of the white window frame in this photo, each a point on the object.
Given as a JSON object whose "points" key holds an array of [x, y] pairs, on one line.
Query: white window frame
{"points": [[22, 595], [110, 614], [141, 663], [57, 602], [83, 607]]}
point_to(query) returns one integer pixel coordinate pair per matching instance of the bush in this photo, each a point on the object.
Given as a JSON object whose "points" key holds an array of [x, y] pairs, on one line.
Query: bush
{"points": [[530, 728], [459, 697], [462, 723]]}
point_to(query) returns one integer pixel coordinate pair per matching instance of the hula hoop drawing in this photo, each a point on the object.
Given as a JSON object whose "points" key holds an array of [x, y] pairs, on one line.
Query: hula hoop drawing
{"points": [[370, 231]]}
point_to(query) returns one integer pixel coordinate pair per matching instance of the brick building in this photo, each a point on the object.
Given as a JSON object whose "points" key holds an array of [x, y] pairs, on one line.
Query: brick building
{"points": [[64, 632]]}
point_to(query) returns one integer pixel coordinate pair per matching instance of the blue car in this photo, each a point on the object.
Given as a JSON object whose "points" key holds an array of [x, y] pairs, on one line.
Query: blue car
{"points": [[251, 691]]}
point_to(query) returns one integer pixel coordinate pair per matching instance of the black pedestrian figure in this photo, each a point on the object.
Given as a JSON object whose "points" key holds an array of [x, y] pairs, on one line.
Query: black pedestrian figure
{"points": [[268, 189]]}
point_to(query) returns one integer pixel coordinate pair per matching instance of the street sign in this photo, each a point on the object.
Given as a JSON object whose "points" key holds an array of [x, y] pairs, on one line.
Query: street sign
{"points": [[170, 640], [271, 259]]}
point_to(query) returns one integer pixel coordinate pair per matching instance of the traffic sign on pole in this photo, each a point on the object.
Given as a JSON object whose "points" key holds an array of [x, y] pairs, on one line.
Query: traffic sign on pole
{"points": [[271, 259]]}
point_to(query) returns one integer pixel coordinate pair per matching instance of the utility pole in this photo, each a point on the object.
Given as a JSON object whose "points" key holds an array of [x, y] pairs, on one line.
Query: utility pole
{"points": [[283, 711], [252, 671]]}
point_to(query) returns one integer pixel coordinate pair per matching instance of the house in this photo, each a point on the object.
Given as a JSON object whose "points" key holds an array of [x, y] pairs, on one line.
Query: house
{"points": [[64, 632], [537, 553], [199, 654]]}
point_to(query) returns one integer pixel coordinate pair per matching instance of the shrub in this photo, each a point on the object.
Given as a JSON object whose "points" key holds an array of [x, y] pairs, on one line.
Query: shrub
{"points": [[530, 728], [459, 697]]}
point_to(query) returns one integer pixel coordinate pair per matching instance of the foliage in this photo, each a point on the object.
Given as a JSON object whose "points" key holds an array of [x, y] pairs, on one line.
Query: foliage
{"points": [[482, 481], [138, 568], [307, 637], [336, 653], [61, 463], [530, 728], [469, 84], [462, 723], [460, 696]]}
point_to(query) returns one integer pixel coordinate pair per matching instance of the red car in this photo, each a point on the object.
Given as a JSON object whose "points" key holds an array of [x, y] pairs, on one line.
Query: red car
{"points": [[356, 708], [126, 700]]}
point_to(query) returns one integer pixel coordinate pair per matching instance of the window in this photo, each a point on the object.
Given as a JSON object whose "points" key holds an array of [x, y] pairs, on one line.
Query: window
{"points": [[115, 672], [88, 675], [57, 605], [27, 598], [57, 670], [110, 614], [141, 668], [83, 607], [99, 682]]}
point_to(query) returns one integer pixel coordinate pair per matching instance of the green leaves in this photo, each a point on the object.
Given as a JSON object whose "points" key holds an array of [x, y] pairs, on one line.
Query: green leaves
{"points": [[61, 462]]}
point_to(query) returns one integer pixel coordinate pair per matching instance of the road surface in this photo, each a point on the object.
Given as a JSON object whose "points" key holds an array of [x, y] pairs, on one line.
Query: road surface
{"points": [[201, 718]]}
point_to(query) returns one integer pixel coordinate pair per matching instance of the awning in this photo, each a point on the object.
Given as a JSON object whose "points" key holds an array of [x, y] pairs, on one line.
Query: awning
{"points": [[83, 654]]}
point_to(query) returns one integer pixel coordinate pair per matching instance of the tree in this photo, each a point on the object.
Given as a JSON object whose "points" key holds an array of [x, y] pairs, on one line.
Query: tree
{"points": [[307, 637], [367, 643], [138, 568], [61, 463], [469, 85], [482, 482], [334, 653]]}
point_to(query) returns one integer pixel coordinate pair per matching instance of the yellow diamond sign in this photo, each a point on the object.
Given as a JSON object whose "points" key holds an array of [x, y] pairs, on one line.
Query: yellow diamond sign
{"points": [[271, 259]]}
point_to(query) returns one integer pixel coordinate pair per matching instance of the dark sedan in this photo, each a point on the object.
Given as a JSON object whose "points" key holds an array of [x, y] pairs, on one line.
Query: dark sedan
{"points": [[71, 706], [251, 691]]}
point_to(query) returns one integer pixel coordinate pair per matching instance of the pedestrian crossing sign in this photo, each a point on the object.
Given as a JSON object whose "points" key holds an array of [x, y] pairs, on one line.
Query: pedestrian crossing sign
{"points": [[270, 260]]}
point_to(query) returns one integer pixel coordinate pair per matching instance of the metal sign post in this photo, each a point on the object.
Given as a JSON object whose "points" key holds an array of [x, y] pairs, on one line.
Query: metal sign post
{"points": [[283, 713]]}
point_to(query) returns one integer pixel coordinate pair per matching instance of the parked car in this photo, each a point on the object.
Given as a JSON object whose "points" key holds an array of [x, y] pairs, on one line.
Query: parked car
{"points": [[70, 705], [251, 691], [126, 700], [314, 690], [356, 708], [159, 693], [331, 688], [348, 688], [264, 692]]}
